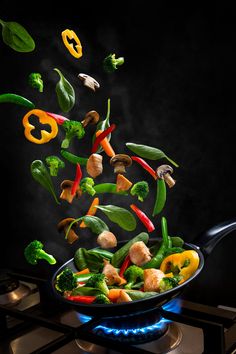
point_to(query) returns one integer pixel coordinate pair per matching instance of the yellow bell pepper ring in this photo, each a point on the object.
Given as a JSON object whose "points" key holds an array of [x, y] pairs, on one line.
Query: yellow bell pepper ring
{"points": [[187, 262], [43, 119], [75, 50]]}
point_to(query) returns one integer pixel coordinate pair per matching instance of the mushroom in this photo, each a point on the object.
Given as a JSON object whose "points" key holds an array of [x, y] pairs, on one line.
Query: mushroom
{"points": [[107, 239], [66, 186], [63, 226], [91, 117], [89, 81], [120, 162], [164, 172], [94, 165]]}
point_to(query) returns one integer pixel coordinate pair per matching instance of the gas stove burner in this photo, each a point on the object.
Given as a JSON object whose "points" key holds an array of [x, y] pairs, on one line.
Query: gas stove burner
{"points": [[11, 290]]}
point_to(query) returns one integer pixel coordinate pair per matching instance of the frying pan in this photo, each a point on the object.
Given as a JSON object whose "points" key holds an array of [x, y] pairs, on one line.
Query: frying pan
{"points": [[203, 245]]}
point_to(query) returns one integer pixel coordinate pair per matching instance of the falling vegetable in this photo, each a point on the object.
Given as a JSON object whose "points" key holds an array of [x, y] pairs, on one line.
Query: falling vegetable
{"points": [[101, 136], [89, 81], [34, 252], [16, 36], [77, 180], [120, 216], [120, 162], [16, 99], [91, 118], [73, 158], [58, 118], [122, 183], [69, 232], [140, 189], [143, 218], [75, 50], [164, 172], [72, 129], [35, 80], [91, 211], [160, 197], [145, 165], [54, 163], [65, 93], [87, 186], [108, 188], [66, 193], [110, 63], [104, 124], [105, 144]]}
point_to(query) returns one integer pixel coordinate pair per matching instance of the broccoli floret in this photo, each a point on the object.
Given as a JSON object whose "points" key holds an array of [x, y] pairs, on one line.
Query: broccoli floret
{"points": [[54, 163], [102, 299], [140, 189], [168, 283], [66, 280], [110, 63], [98, 281], [132, 275], [35, 80], [34, 251], [86, 185], [72, 129]]}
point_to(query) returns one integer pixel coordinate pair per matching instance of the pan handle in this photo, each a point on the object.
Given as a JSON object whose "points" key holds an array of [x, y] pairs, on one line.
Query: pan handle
{"points": [[208, 240]]}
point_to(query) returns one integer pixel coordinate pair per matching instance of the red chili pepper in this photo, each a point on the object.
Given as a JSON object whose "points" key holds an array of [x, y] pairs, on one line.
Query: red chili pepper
{"points": [[143, 217], [101, 136], [145, 165], [86, 299], [78, 177], [125, 265], [59, 119]]}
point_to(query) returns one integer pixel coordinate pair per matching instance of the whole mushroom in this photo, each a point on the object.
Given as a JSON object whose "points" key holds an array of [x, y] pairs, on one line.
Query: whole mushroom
{"points": [[120, 162], [164, 172], [63, 226], [91, 117], [66, 187]]}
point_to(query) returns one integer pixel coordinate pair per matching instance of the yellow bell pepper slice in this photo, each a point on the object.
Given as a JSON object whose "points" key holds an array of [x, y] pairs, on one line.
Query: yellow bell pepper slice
{"points": [[75, 50]]}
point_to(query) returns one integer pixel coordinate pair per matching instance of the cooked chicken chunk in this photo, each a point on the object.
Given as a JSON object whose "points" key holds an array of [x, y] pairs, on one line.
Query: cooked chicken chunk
{"points": [[124, 297], [139, 253], [152, 278], [112, 275], [107, 240]]}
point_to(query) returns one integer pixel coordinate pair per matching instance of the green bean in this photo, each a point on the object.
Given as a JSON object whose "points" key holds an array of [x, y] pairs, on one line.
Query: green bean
{"points": [[160, 197], [12, 98], [73, 158]]}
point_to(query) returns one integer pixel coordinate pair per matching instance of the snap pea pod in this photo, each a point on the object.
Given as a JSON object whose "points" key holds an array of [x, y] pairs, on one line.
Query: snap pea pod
{"points": [[83, 277], [84, 290], [73, 158], [160, 197], [108, 188], [16, 99], [139, 295], [173, 250]]}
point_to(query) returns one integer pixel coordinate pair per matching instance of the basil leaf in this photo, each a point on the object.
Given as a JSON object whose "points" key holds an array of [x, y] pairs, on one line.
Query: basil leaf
{"points": [[120, 216], [103, 125], [95, 224], [15, 36], [65, 93], [149, 152]]}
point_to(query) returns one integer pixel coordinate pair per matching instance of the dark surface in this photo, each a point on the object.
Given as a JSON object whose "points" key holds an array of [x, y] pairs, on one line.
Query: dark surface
{"points": [[175, 92]]}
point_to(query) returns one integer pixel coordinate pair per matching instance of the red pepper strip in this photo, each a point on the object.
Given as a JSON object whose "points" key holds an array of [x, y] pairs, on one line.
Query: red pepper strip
{"points": [[59, 119], [143, 217], [101, 136], [78, 177], [145, 165], [125, 265], [85, 299]]}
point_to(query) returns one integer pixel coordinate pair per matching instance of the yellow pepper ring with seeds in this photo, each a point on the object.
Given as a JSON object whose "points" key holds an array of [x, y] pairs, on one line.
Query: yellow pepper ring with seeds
{"points": [[75, 50], [43, 119], [187, 263]]}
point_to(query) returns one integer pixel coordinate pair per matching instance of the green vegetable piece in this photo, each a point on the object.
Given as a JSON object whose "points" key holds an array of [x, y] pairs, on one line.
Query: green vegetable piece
{"points": [[102, 299], [65, 93], [73, 158], [103, 253], [41, 175], [15, 36], [88, 259], [133, 274], [140, 189], [168, 283], [119, 256], [54, 163], [140, 295], [173, 250], [16, 99], [108, 188], [34, 251], [85, 290], [177, 241], [160, 197], [103, 125], [149, 152], [86, 185], [66, 280], [72, 128], [110, 63], [95, 224], [98, 281], [35, 80], [120, 216]]}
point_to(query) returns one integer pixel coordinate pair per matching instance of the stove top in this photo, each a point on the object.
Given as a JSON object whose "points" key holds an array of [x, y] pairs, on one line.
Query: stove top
{"points": [[35, 325]]}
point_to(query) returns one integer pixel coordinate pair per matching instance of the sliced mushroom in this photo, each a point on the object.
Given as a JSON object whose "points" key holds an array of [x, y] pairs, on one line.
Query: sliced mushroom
{"points": [[164, 172], [120, 162], [107, 240], [91, 117], [89, 81], [94, 165], [66, 186], [63, 226]]}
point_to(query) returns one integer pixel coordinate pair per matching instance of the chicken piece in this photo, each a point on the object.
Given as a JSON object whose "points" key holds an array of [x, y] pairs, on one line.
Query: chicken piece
{"points": [[124, 297], [111, 274], [152, 279], [139, 253], [107, 239]]}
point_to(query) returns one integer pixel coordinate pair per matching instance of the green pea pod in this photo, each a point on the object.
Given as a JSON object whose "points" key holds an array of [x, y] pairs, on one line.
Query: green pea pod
{"points": [[103, 125], [12, 98], [108, 188], [120, 216], [140, 295], [41, 175], [65, 93], [160, 197], [73, 158], [84, 290], [15, 36]]}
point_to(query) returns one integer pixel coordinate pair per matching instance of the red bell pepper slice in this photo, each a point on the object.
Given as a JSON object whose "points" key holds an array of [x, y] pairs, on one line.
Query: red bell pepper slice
{"points": [[143, 218], [125, 265], [145, 165], [59, 119], [77, 180], [86, 299], [101, 136]]}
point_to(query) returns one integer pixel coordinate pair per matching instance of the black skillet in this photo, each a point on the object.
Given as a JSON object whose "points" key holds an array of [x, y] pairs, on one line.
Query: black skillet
{"points": [[203, 246]]}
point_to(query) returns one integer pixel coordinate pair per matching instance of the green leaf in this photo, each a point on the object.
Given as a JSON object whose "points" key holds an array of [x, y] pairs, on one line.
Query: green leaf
{"points": [[149, 152], [86, 259], [120, 216], [103, 125], [65, 93], [95, 224], [15, 36]]}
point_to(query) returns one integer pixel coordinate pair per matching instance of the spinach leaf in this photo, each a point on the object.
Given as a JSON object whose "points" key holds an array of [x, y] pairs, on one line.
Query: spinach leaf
{"points": [[65, 93], [95, 224], [41, 175], [103, 125], [15, 36], [149, 152], [120, 216], [87, 259]]}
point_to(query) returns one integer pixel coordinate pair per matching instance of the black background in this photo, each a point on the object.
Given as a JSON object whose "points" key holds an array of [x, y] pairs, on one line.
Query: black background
{"points": [[175, 91]]}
